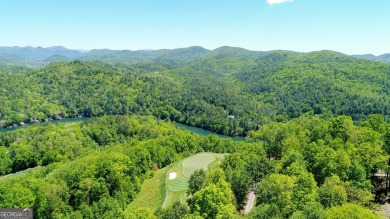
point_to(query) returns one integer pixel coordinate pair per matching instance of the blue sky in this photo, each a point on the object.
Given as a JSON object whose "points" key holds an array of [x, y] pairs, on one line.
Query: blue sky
{"points": [[348, 26]]}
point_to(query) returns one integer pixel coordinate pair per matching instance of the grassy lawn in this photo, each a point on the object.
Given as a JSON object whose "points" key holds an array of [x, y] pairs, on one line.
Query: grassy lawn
{"points": [[19, 174], [176, 188], [152, 192], [161, 191]]}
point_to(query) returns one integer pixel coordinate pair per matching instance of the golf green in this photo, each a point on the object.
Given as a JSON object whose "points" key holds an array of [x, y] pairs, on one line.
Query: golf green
{"points": [[178, 175]]}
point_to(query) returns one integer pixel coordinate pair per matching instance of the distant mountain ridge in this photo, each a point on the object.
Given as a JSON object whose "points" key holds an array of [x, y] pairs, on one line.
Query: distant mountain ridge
{"points": [[169, 56], [38, 53], [35, 57], [381, 58]]}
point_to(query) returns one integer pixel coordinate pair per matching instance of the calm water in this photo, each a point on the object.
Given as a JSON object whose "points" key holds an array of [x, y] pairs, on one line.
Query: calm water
{"points": [[204, 132], [195, 130], [53, 121]]}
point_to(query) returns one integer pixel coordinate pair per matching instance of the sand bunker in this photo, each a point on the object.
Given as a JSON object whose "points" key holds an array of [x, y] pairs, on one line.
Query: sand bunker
{"points": [[172, 175]]}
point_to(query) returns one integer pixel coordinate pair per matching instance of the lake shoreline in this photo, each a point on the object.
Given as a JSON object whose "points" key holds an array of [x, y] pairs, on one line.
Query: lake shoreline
{"points": [[193, 129], [70, 119], [205, 132]]}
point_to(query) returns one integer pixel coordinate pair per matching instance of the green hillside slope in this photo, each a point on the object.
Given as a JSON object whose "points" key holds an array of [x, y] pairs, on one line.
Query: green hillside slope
{"points": [[230, 91]]}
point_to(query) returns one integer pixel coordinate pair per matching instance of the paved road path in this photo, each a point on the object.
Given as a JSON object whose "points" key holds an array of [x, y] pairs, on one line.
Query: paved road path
{"points": [[250, 203]]}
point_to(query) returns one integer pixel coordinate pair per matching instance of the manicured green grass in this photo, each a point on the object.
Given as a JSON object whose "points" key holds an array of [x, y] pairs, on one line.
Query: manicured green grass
{"points": [[159, 190], [150, 195], [176, 188], [199, 161], [20, 173]]}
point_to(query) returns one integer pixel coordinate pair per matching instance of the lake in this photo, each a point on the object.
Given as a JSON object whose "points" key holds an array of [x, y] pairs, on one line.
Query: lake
{"points": [[195, 130], [205, 132]]}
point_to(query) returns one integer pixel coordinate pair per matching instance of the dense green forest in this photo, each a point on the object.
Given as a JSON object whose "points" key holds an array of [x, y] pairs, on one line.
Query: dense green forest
{"points": [[229, 90], [307, 168], [317, 126]]}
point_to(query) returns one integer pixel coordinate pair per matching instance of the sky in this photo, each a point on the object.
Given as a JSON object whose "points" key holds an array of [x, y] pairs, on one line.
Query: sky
{"points": [[348, 26]]}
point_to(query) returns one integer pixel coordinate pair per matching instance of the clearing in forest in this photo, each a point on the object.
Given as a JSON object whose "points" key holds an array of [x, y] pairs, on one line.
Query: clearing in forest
{"points": [[150, 195], [177, 176], [21, 173]]}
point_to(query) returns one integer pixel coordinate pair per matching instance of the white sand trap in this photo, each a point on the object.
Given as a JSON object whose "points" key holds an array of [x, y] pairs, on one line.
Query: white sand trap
{"points": [[172, 175]]}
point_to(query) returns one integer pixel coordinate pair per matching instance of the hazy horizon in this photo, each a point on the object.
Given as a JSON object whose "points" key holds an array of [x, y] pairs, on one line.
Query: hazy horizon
{"points": [[350, 27], [88, 50]]}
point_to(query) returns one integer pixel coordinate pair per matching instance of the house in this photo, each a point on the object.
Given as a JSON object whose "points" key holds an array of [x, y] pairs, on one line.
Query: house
{"points": [[33, 119], [230, 117]]}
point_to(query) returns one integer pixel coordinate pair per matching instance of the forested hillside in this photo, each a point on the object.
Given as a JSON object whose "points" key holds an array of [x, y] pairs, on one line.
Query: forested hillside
{"points": [[317, 125], [307, 168], [228, 90], [95, 168]]}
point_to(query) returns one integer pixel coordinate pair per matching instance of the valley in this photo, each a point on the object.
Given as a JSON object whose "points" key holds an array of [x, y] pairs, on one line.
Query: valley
{"points": [[188, 133]]}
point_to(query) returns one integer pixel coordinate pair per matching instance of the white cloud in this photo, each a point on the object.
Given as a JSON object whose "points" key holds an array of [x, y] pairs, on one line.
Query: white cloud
{"points": [[271, 2]]}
